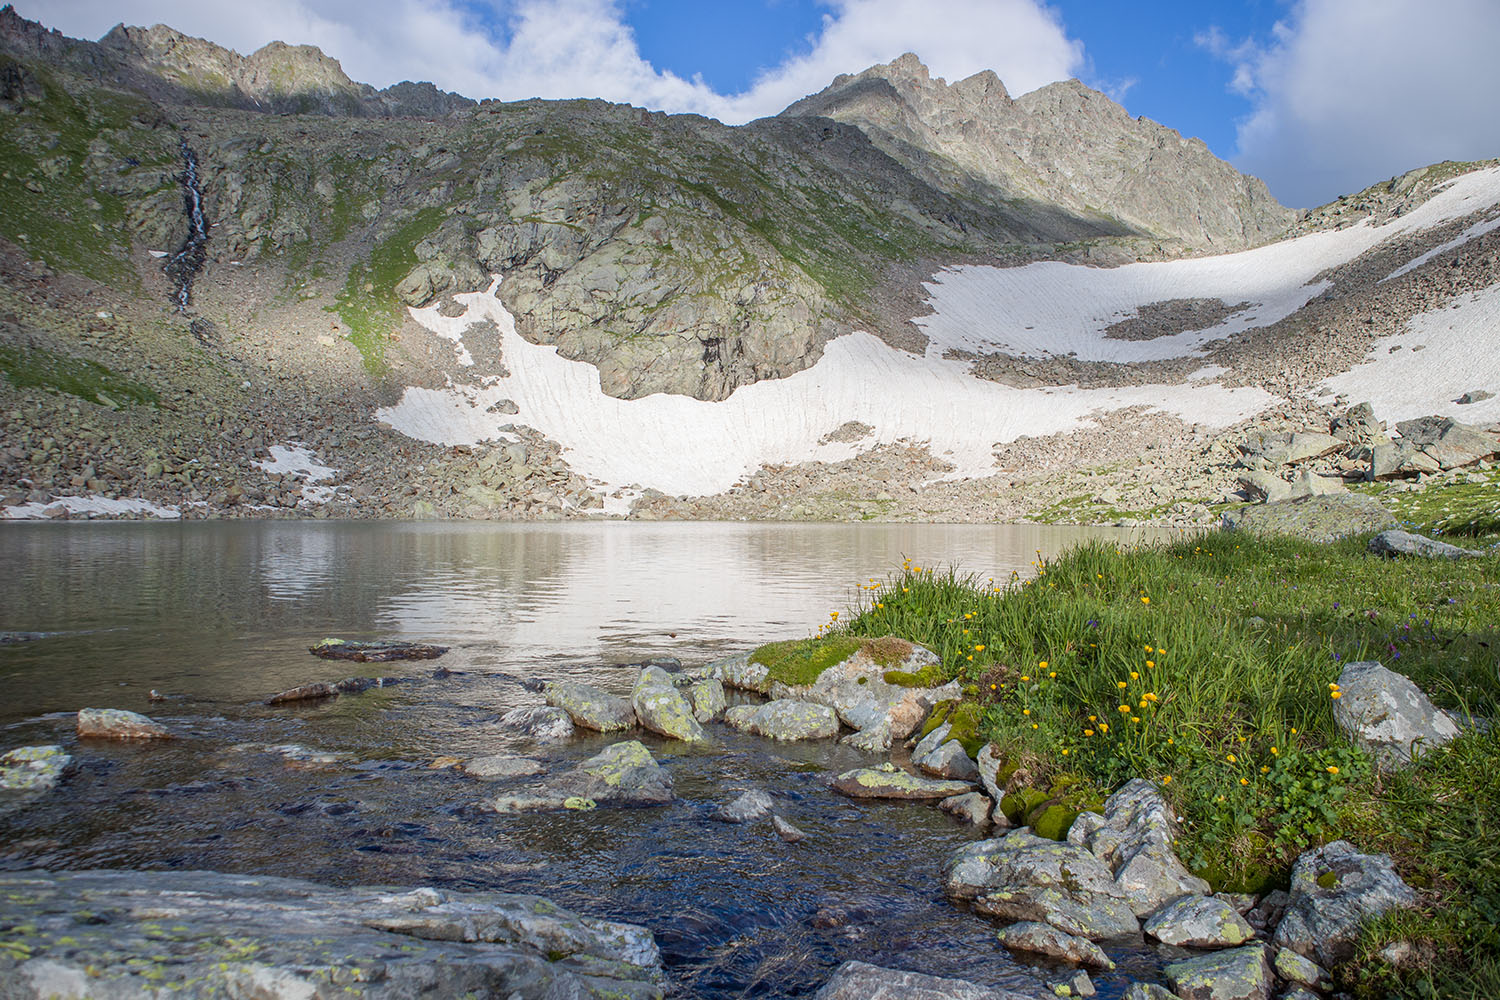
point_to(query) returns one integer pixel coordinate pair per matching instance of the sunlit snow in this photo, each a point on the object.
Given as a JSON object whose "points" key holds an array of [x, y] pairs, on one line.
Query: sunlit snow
{"points": [[90, 504]]}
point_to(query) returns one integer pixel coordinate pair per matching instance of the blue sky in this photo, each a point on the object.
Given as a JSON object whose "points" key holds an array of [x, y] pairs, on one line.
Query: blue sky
{"points": [[1316, 97]]}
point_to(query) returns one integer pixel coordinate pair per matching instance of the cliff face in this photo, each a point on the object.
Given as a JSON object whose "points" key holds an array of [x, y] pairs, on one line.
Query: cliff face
{"points": [[1064, 144]]}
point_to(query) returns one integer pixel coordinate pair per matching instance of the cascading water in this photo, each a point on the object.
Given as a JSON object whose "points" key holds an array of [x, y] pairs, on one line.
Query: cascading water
{"points": [[183, 266]]}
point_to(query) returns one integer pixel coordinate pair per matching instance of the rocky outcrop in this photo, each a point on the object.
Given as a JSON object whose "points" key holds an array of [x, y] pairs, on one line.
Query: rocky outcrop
{"points": [[623, 774], [1314, 518], [1199, 922], [891, 782], [204, 934], [1134, 838], [784, 719], [1405, 543], [1234, 974], [739, 673], [1387, 714], [1335, 889], [661, 708]]}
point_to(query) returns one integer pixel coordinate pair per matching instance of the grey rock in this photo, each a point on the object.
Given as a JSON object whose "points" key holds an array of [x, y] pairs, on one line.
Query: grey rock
{"points": [[784, 720], [1447, 442], [931, 741], [751, 805], [33, 769], [1199, 922], [1148, 991], [1295, 968], [1357, 425], [1077, 985], [874, 783], [543, 723], [1387, 714], [1044, 939], [498, 766], [949, 760], [1323, 922], [786, 831], [973, 808], [1475, 396], [1134, 838], [1314, 518], [1300, 993], [1264, 486], [857, 690], [862, 981], [1399, 460], [1310, 484], [988, 762], [738, 672], [590, 707], [707, 698], [622, 774], [1233, 974], [1405, 543], [101, 933], [661, 708], [1267, 912], [118, 724]]}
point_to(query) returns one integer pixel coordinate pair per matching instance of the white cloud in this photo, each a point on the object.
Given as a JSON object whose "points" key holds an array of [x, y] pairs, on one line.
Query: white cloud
{"points": [[585, 48], [1349, 92]]}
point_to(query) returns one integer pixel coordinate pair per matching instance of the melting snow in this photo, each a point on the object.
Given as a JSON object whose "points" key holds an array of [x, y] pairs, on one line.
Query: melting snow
{"points": [[1476, 230], [682, 445], [297, 460], [1054, 309], [91, 504]]}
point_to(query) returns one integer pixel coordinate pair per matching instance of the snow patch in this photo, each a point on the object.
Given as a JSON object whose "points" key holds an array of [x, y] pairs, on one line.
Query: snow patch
{"points": [[1476, 230], [297, 460], [681, 445], [1055, 309], [90, 504], [1441, 355]]}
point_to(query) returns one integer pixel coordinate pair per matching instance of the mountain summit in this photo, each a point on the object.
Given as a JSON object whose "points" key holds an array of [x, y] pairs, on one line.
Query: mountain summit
{"points": [[1063, 144]]}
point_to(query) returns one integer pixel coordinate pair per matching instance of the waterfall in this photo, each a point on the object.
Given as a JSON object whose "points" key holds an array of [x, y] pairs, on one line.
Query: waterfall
{"points": [[183, 266]]}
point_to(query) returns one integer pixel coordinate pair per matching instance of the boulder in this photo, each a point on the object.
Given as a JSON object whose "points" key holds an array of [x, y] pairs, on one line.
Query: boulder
{"points": [[1357, 425], [1134, 838], [375, 652], [989, 764], [750, 806], [209, 934], [590, 707], [33, 769], [1404, 543], [875, 783], [1044, 939], [1447, 442], [861, 981], [738, 672], [784, 720], [1076, 985], [1314, 518], [1310, 484], [498, 766], [543, 723], [1387, 714], [949, 760], [707, 699], [661, 708], [118, 724], [1025, 877], [1233, 974], [1199, 922], [1399, 460], [973, 808], [786, 831], [1334, 890], [1295, 968], [1261, 485], [1148, 991], [624, 774]]}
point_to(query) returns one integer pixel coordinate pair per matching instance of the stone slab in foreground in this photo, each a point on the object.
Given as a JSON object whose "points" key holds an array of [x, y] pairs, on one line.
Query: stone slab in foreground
{"points": [[862, 981], [123, 934]]}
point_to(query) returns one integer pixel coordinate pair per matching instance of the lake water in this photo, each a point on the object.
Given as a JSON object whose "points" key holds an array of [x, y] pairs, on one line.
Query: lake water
{"points": [[217, 617]]}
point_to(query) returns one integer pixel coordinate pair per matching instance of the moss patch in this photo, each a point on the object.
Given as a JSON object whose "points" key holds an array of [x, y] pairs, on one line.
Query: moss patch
{"points": [[368, 304], [796, 662], [43, 369]]}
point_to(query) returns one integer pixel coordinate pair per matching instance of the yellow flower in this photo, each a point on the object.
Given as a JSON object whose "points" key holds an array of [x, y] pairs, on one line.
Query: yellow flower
{"points": [[1042, 665], [1052, 674], [1151, 663], [1093, 718], [1103, 727], [1294, 732], [1244, 781], [979, 648], [1161, 652], [1166, 779], [1150, 696], [1275, 752], [1065, 753], [1231, 758], [1147, 648], [1336, 695], [1033, 725], [1121, 685], [879, 605], [1088, 732], [1143, 703], [1025, 711], [1025, 677], [1332, 769], [1124, 709], [1145, 599], [1135, 676], [992, 687], [1265, 770], [834, 615], [1135, 718], [1170, 741], [970, 657]]}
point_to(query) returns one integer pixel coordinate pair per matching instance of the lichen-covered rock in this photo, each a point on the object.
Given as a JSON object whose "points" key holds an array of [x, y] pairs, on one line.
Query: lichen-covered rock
{"points": [[1314, 518], [738, 672], [862, 981], [118, 724], [873, 783], [948, 760], [1025, 877], [624, 774], [1295, 968], [1406, 543], [1199, 922], [590, 707], [204, 934], [1148, 991], [1134, 838], [661, 708], [989, 763], [750, 806], [784, 720], [1387, 714], [498, 766], [973, 808], [1044, 939], [543, 723], [33, 769], [1233, 974], [707, 698], [1334, 890]]}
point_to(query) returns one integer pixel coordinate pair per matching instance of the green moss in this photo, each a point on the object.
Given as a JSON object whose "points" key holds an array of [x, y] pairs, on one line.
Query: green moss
{"points": [[931, 675], [1017, 804], [1328, 880], [965, 717], [801, 661], [43, 369], [1053, 821], [368, 304]]}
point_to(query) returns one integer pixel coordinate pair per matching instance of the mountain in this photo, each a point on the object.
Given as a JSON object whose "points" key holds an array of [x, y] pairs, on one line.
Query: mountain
{"points": [[896, 288]]}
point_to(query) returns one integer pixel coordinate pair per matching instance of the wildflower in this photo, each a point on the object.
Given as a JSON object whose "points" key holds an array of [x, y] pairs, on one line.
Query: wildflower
{"points": [[970, 657], [1265, 770], [1336, 695], [1170, 741], [879, 605], [1103, 727], [1025, 711], [979, 648], [1135, 718], [1332, 769], [1145, 599], [1065, 753], [1231, 758], [1135, 676], [1166, 779], [1275, 752], [1088, 732], [1149, 696], [1042, 665], [1093, 718], [1121, 685], [1244, 781], [1161, 652], [1052, 674], [1143, 703], [992, 687], [1294, 732], [1150, 663], [1025, 677], [1148, 647], [1124, 709], [1033, 725]]}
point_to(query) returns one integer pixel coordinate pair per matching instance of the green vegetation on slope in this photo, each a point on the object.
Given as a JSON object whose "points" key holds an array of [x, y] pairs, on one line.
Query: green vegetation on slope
{"points": [[36, 367], [1208, 666], [368, 304]]}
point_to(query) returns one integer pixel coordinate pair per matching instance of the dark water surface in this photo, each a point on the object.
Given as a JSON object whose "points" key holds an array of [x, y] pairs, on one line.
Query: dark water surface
{"points": [[219, 616]]}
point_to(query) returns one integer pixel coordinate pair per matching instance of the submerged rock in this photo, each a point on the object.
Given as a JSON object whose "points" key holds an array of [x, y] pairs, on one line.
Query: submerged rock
{"points": [[1334, 890], [661, 708], [1405, 543], [862, 981], [375, 652], [544, 723], [752, 805], [973, 808], [1234, 974], [33, 769], [784, 720], [498, 766], [873, 783], [590, 707], [1044, 939], [118, 724], [1387, 714], [325, 689], [786, 831], [203, 934], [1199, 922]]}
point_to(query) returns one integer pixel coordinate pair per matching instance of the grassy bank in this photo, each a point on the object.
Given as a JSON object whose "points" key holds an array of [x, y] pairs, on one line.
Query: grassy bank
{"points": [[1210, 666]]}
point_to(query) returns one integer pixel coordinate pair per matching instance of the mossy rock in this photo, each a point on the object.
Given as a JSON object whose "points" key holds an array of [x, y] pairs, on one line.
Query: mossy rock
{"points": [[1018, 804], [797, 662], [1052, 820], [965, 717], [929, 676]]}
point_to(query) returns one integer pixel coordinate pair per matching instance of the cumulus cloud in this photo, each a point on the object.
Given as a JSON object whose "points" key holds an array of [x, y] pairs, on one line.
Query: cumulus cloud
{"points": [[585, 48], [1346, 93]]}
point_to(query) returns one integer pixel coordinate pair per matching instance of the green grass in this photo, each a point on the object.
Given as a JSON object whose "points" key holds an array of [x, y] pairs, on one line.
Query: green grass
{"points": [[1206, 665], [43, 369], [1469, 510], [368, 304]]}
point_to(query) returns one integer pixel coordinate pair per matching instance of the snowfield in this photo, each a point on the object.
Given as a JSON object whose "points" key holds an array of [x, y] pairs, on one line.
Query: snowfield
{"points": [[90, 504], [686, 446]]}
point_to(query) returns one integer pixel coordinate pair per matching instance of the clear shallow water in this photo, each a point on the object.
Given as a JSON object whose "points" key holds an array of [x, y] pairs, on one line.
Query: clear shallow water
{"points": [[219, 617]]}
